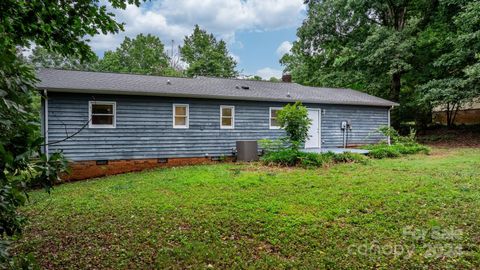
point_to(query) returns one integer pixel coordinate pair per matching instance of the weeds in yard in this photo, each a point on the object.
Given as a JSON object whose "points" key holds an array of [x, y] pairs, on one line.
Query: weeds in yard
{"points": [[380, 151], [276, 154], [348, 157], [401, 145], [290, 157]]}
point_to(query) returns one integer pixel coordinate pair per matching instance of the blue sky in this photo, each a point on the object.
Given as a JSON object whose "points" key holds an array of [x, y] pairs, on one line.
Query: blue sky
{"points": [[261, 49], [258, 32]]}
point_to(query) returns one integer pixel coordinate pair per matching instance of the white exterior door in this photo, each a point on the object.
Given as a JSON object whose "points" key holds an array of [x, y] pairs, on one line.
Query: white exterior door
{"points": [[313, 140]]}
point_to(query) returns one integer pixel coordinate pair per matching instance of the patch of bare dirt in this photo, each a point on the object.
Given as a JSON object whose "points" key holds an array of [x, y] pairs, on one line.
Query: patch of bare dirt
{"points": [[450, 138]]}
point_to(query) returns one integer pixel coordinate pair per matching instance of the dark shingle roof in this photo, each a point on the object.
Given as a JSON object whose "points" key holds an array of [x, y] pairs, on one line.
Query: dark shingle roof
{"points": [[200, 87]]}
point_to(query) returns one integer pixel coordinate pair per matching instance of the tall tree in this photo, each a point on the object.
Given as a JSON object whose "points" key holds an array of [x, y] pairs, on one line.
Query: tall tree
{"points": [[361, 44], [58, 26], [143, 54], [456, 80], [274, 79], [386, 48], [41, 57], [206, 56]]}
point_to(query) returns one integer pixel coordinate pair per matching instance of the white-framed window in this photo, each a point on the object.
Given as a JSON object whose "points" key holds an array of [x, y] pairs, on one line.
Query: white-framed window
{"points": [[227, 117], [180, 116], [102, 114], [273, 117]]}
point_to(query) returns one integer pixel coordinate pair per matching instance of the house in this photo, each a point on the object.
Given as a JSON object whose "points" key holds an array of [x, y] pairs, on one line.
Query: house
{"points": [[108, 123], [468, 114]]}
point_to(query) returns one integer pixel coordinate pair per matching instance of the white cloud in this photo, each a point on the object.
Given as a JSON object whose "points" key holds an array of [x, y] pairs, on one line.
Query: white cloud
{"points": [[139, 20], [267, 73], [235, 57], [226, 16], [284, 48], [173, 19]]}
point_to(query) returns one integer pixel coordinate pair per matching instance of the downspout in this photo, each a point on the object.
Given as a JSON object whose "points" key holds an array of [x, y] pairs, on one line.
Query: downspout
{"points": [[45, 120], [388, 138]]}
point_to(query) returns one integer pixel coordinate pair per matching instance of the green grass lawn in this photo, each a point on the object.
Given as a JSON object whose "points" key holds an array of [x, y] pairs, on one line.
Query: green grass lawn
{"points": [[251, 216]]}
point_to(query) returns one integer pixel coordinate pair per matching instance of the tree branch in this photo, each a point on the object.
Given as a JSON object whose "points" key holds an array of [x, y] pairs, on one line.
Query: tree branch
{"points": [[71, 136]]}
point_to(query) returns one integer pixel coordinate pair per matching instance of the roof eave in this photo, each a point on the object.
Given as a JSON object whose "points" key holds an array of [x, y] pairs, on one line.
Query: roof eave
{"points": [[137, 93]]}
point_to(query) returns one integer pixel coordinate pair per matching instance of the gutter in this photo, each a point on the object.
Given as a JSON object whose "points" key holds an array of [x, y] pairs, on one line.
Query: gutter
{"points": [[45, 121], [389, 125]]}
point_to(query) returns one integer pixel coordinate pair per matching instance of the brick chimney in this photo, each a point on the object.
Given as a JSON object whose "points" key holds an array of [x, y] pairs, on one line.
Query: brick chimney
{"points": [[287, 78]]}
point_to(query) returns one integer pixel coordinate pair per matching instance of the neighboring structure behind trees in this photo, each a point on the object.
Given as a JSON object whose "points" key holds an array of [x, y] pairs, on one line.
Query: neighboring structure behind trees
{"points": [[468, 115]]}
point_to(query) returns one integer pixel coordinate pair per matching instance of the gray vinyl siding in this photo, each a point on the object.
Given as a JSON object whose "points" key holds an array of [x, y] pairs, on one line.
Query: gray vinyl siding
{"points": [[365, 122], [144, 127]]}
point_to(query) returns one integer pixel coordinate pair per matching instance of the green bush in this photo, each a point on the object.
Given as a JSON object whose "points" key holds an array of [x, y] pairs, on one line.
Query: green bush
{"points": [[293, 118], [386, 152], [309, 160], [395, 150], [291, 157], [272, 145], [401, 145], [396, 138], [284, 157], [408, 149], [349, 157]]}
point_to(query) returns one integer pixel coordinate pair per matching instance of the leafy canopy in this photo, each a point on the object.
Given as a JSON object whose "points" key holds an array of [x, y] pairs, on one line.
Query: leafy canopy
{"points": [[293, 118], [206, 56], [392, 49], [143, 54], [42, 58], [456, 80]]}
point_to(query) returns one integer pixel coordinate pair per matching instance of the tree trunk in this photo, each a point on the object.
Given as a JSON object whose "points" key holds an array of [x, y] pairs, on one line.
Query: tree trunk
{"points": [[451, 112], [449, 115], [454, 115], [395, 86]]}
